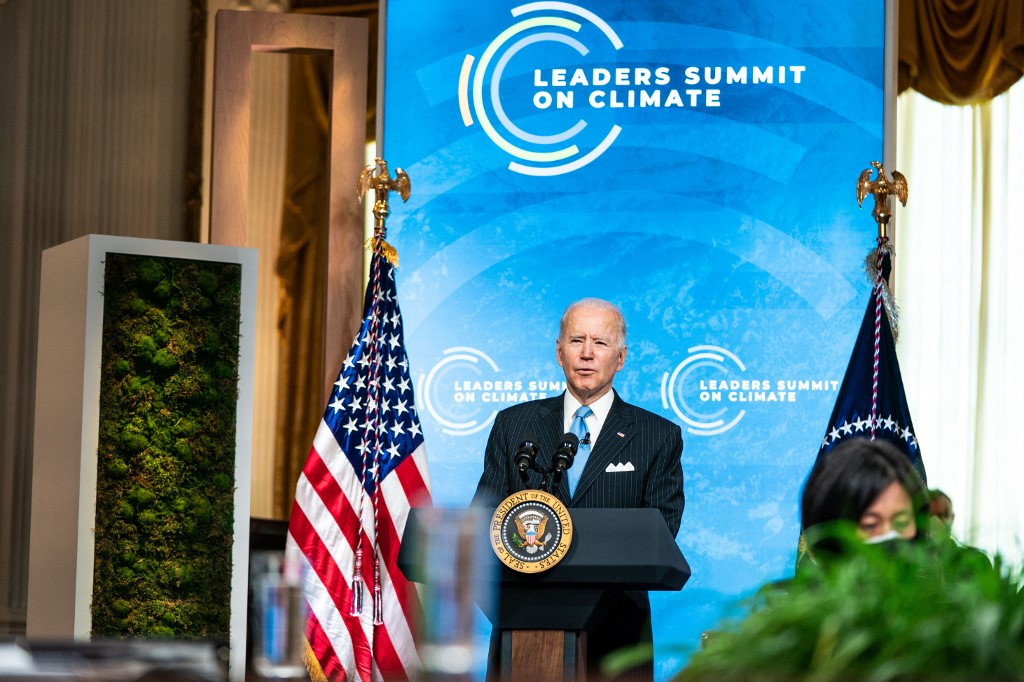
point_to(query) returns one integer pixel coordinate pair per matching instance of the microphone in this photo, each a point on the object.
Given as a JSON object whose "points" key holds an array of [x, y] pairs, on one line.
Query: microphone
{"points": [[526, 456], [565, 453], [586, 439]]}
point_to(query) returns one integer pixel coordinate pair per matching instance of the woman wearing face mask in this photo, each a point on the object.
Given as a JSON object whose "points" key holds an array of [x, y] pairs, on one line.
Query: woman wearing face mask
{"points": [[870, 484]]}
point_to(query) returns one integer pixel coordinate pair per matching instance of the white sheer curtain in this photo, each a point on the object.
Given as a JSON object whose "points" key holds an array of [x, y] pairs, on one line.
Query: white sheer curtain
{"points": [[960, 285]]}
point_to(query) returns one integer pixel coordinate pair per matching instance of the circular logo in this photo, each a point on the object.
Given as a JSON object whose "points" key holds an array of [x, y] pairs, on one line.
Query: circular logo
{"points": [[464, 390], [571, 144], [531, 531], [458, 417], [711, 391], [706, 366]]}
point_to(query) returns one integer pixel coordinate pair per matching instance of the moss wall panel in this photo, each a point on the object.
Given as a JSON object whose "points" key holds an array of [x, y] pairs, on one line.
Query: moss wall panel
{"points": [[142, 447], [166, 455]]}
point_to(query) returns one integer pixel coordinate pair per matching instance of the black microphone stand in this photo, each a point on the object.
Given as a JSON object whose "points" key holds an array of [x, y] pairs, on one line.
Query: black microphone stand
{"points": [[550, 479], [563, 458]]}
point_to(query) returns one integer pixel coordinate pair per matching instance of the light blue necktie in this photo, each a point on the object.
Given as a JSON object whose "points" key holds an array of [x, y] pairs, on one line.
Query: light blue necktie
{"points": [[579, 428]]}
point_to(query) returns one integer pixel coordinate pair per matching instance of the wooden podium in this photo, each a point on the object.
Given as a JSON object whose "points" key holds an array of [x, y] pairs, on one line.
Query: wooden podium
{"points": [[542, 619]]}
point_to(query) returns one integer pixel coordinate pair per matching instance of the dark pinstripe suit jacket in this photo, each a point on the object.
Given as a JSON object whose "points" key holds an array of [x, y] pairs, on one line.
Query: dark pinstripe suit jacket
{"points": [[630, 435]]}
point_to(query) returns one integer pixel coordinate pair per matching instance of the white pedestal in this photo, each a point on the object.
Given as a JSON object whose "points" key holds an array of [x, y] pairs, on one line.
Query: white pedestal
{"points": [[67, 400]]}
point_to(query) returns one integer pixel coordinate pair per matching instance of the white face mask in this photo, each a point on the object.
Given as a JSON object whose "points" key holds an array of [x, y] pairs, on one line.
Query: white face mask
{"points": [[884, 537]]}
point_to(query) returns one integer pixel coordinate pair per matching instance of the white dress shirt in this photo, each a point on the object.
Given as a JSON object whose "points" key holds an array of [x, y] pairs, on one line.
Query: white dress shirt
{"points": [[601, 407]]}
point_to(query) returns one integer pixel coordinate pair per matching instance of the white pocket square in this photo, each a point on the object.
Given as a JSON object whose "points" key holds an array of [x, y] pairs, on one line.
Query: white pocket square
{"points": [[621, 466]]}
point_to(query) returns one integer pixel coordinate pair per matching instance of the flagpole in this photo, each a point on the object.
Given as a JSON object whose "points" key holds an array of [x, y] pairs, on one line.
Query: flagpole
{"points": [[879, 260], [382, 185], [367, 459]]}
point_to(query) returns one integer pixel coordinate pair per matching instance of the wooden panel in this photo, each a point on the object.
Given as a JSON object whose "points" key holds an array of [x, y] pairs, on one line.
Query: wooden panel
{"points": [[546, 656], [238, 35]]}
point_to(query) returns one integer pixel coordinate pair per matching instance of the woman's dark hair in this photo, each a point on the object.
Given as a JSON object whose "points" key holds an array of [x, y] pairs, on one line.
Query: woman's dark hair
{"points": [[844, 483]]}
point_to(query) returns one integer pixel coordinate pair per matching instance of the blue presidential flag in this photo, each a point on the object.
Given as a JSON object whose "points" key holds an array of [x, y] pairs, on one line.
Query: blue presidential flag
{"points": [[871, 401]]}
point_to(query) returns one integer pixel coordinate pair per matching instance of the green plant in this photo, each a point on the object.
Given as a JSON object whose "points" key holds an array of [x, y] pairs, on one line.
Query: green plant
{"points": [[165, 475], [902, 611]]}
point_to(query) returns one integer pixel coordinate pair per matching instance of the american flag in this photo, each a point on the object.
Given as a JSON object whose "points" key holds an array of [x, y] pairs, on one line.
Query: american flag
{"points": [[366, 469], [871, 402]]}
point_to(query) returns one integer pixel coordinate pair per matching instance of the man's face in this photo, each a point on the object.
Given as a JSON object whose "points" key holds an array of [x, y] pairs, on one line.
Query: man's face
{"points": [[589, 352], [942, 509]]}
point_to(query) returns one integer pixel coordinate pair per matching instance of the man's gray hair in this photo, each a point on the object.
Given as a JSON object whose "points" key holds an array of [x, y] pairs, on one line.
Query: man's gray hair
{"points": [[597, 304]]}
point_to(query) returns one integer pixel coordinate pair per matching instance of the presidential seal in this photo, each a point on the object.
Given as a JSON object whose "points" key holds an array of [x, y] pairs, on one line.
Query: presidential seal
{"points": [[531, 531]]}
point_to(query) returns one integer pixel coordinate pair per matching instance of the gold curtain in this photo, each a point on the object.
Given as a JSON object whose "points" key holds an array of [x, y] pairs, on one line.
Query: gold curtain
{"points": [[302, 268], [302, 263], [960, 51]]}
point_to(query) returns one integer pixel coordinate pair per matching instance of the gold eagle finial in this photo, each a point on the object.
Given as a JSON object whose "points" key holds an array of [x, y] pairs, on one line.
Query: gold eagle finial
{"points": [[382, 184], [881, 188]]}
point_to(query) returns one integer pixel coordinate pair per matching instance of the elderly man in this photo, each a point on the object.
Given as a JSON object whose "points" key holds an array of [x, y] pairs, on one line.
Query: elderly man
{"points": [[628, 457]]}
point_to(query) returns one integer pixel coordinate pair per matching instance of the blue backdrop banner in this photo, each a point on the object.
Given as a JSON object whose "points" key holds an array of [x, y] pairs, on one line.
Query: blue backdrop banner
{"points": [[695, 163]]}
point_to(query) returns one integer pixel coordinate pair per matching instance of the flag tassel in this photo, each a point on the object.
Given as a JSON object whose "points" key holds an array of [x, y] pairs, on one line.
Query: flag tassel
{"points": [[357, 585], [879, 286], [378, 600]]}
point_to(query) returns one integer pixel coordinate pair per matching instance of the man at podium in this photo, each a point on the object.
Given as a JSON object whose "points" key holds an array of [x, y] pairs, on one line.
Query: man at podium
{"points": [[627, 457]]}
